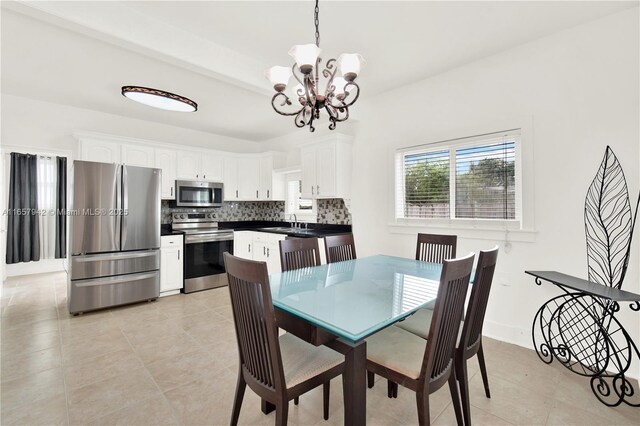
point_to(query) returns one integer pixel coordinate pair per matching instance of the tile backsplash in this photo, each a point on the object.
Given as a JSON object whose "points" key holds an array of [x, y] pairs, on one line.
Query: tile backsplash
{"points": [[333, 211], [233, 211], [330, 211]]}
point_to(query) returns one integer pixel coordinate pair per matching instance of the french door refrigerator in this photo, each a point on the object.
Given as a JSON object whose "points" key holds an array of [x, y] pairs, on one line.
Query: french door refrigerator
{"points": [[115, 235]]}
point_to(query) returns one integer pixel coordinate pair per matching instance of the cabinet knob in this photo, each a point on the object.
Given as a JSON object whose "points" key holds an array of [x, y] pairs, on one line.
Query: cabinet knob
{"points": [[257, 196], [178, 254], [267, 193], [249, 248], [312, 190], [267, 252], [318, 190]]}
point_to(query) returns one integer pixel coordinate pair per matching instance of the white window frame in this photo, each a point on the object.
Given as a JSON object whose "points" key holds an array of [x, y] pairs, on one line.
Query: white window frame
{"points": [[452, 222]]}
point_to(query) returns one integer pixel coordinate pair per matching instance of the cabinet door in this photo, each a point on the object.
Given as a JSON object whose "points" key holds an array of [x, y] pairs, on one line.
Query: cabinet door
{"points": [[266, 178], [171, 273], [165, 159], [273, 258], [326, 171], [308, 164], [212, 167], [249, 178], [100, 151], [137, 155], [242, 245], [230, 179], [189, 165], [260, 251]]}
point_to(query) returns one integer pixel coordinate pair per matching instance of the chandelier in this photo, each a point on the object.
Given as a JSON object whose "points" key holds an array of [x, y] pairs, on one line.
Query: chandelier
{"points": [[340, 92]]}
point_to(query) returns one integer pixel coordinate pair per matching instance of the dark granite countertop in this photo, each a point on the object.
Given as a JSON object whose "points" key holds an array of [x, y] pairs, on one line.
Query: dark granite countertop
{"points": [[312, 230], [165, 229]]}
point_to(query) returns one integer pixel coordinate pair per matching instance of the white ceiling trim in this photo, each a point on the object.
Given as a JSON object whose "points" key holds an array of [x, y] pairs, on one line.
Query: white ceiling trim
{"points": [[126, 27]]}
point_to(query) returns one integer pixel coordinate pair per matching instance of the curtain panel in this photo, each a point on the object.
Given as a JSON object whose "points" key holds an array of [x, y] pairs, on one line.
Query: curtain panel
{"points": [[61, 208], [23, 233]]}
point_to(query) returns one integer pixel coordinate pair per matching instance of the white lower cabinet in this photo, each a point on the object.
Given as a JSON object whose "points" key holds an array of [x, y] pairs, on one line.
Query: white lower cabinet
{"points": [[261, 246], [171, 264]]}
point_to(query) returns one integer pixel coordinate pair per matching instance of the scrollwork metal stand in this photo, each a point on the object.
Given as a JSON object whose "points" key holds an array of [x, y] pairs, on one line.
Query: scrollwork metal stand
{"points": [[581, 332], [579, 328]]}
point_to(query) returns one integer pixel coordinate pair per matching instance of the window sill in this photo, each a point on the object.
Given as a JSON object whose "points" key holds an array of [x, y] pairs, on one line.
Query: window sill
{"points": [[481, 231]]}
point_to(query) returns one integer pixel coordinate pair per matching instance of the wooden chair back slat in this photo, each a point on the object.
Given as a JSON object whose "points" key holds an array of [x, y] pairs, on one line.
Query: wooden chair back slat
{"points": [[297, 253], [447, 315], [436, 248], [254, 319], [339, 248], [472, 329]]}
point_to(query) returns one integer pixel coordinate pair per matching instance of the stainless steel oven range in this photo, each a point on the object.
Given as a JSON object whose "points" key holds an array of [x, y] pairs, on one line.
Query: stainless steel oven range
{"points": [[205, 245]]}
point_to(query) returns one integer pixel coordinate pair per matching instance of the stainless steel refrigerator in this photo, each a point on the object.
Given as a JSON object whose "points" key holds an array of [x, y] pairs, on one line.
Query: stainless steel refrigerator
{"points": [[115, 235]]}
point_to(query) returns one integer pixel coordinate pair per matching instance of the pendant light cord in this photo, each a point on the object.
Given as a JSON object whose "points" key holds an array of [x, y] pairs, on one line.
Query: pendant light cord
{"points": [[317, 22]]}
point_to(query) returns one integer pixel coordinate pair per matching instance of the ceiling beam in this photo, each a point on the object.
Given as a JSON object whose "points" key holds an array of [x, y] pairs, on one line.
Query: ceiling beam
{"points": [[128, 28]]}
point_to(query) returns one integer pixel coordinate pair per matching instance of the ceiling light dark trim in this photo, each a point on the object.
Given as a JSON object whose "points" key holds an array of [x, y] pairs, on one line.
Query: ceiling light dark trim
{"points": [[157, 92]]}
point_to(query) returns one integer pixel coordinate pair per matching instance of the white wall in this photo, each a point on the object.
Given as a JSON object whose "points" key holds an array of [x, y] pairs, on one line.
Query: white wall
{"points": [[578, 90], [39, 124], [40, 127]]}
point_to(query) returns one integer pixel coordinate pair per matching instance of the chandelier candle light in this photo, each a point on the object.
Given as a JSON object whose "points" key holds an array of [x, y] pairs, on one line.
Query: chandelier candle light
{"points": [[340, 91]]}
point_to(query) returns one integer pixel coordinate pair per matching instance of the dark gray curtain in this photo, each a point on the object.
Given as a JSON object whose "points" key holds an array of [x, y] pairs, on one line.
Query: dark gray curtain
{"points": [[23, 238], [61, 208]]}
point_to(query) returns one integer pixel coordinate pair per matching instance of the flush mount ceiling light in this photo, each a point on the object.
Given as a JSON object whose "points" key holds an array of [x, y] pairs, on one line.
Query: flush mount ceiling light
{"points": [[159, 99], [339, 92]]}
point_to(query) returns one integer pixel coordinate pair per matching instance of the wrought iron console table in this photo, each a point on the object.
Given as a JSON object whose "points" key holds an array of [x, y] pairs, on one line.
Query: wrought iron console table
{"points": [[580, 330]]}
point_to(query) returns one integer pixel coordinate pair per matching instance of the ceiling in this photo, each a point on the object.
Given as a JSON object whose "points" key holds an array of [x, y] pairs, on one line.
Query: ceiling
{"points": [[81, 53]]}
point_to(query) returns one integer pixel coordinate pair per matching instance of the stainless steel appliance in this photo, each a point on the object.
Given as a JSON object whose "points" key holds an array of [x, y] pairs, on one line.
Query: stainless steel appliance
{"points": [[205, 245], [195, 193], [115, 235]]}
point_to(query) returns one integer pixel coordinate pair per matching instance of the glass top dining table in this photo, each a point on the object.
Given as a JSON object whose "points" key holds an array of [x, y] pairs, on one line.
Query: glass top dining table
{"points": [[356, 298]]}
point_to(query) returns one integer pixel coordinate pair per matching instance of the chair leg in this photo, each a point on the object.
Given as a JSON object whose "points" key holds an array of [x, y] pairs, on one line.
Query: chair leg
{"points": [[296, 400], [326, 389], [237, 402], [370, 379], [422, 402], [483, 371], [463, 379], [453, 388], [390, 386], [282, 413]]}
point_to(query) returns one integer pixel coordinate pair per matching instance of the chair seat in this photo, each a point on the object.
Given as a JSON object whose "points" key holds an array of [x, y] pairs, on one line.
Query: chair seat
{"points": [[397, 350], [302, 361], [420, 322]]}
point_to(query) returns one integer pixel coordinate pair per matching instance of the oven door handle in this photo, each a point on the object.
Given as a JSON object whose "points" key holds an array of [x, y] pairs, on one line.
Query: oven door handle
{"points": [[195, 239]]}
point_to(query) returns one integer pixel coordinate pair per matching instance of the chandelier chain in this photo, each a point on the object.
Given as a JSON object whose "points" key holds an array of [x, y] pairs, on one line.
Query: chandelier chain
{"points": [[317, 22]]}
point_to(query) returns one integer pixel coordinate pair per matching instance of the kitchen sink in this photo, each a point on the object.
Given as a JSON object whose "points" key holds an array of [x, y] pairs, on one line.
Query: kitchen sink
{"points": [[288, 230]]}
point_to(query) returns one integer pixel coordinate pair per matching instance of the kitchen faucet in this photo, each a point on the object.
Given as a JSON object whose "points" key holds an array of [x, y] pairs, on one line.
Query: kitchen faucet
{"points": [[295, 220]]}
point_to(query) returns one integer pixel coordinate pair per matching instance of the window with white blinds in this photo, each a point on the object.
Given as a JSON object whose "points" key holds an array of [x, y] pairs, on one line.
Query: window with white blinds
{"points": [[468, 178]]}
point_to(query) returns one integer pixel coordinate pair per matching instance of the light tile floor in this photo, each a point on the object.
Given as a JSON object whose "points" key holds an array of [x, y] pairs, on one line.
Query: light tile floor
{"points": [[174, 361]]}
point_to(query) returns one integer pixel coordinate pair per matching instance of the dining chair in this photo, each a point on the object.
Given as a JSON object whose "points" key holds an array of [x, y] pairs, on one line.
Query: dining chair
{"points": [[470, 333], [436, 248], [425, 365], [432, 248], [296, 253], [278, 369], [339, 248]]}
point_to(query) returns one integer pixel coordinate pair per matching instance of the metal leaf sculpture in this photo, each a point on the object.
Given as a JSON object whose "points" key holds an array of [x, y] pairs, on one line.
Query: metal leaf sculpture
{"points": [[609, 223]]}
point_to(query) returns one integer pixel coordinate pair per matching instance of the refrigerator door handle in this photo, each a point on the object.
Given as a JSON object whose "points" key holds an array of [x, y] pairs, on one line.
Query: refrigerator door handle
{"points": [[125, 204], [118, 213]]}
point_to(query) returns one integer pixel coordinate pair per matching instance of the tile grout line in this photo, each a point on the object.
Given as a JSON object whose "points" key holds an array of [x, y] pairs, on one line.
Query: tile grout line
{"points": [[146, 370], [64, 380]]}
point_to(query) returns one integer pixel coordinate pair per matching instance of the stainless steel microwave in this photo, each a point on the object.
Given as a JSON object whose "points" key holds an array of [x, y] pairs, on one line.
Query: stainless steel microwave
{"points": [[198, 193]]}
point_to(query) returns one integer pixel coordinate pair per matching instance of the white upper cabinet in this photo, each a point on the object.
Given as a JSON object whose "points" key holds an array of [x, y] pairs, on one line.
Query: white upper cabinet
{"points": [[166, 161], [99, 150], [308, 165], [137, 155], [266, 177], [212, 168], [249, 178], [189, 165], [326, 168], [230, 179]]}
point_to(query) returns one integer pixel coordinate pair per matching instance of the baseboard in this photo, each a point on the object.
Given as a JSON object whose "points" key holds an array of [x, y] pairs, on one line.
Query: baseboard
{"points": [[39, 267]]}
